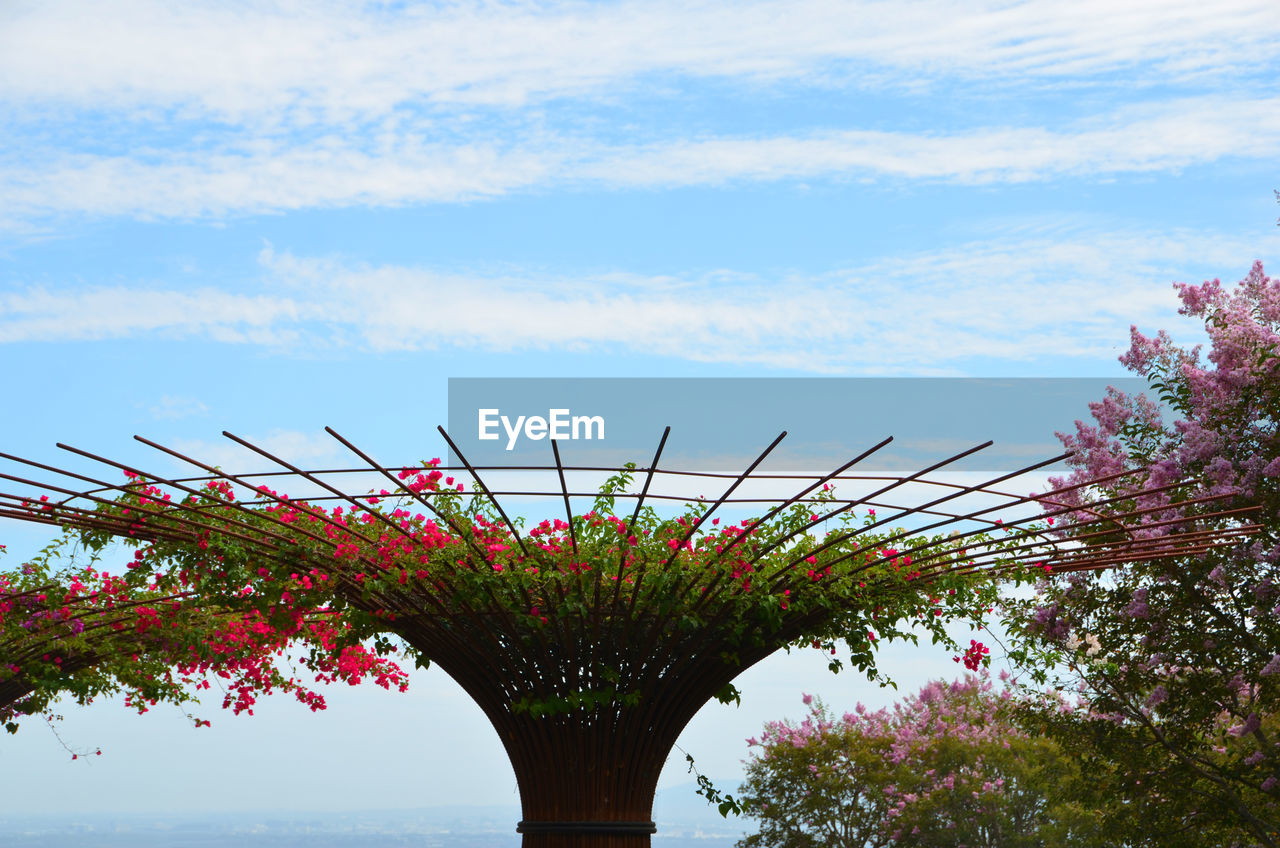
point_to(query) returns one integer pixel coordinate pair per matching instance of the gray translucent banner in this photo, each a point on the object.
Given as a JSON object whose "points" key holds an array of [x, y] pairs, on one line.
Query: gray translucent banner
{"points": [[724, 424]]}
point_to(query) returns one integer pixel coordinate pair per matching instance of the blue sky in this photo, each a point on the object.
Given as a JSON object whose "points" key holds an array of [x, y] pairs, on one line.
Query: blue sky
{"points": [[269, 217]]}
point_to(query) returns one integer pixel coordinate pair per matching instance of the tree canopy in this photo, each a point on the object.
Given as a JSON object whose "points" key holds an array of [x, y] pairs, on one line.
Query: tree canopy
{"points": [[1176, 661], [946, 766]]}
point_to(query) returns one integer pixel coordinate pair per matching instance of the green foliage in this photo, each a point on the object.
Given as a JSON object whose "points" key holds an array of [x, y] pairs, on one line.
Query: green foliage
{"points": [[726, 804], [945, 767], [1177, 661], [70, 630], [574, 584]]}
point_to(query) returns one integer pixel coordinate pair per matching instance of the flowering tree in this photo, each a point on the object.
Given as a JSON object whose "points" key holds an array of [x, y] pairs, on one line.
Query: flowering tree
{"points": [[943, 767], [82, 632], [1177, 660]]}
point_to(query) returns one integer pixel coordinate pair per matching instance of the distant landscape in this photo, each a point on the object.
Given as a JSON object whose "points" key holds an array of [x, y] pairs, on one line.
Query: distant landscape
{"points": [[684, 821]]}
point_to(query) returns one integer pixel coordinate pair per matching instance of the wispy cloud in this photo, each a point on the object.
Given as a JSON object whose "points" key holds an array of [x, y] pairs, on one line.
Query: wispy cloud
{"points": [[191, 185], [292, 445], [174, 407], [147, 109], [1071, 297], [120, 312], [330, 61], [336, 172], [1171, 136]]}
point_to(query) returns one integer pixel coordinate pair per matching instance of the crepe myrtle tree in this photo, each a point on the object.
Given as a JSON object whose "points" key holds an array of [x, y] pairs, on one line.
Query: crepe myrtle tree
{"points": [[1177, 661], [945, 766], [69, 628], [590, 641]]}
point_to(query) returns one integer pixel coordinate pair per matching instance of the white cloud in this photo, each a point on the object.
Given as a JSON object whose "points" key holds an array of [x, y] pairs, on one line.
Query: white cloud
{"points": [[296, 62], [336, 172], [1168, 137], [1014, 299], [171, 407], [190, 185], [302, 449], [107, 313]]}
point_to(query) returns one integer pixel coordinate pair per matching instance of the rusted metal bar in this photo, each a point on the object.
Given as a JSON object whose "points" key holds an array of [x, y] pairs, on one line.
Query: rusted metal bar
{"points": [[564, 491], [736, 483], [746, 531], [472, 471], [945, 498], [467, 537], [631, 523]]}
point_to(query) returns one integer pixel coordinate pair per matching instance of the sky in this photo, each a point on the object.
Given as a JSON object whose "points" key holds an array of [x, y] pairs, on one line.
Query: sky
{"points": [[273, 217]]}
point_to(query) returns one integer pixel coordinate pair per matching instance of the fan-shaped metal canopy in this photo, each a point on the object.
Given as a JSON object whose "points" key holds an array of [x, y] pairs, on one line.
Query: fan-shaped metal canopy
{"points": [[590, 657]]}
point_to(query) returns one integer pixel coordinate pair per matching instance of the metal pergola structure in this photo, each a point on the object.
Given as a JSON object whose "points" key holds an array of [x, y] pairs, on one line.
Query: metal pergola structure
{"points": [[587, 772]]}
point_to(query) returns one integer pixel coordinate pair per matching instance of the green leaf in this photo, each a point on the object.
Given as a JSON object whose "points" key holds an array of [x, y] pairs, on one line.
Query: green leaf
{"points": [[729, 694]]}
